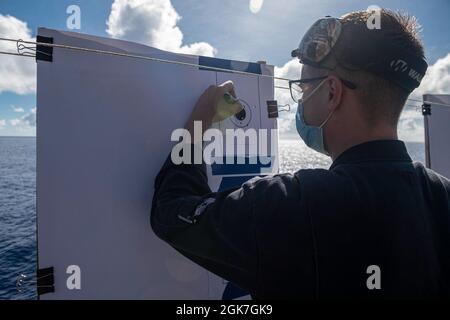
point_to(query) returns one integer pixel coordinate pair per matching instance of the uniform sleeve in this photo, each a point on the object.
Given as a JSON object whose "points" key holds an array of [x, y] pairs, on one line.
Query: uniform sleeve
{"points": [[217, 230]]}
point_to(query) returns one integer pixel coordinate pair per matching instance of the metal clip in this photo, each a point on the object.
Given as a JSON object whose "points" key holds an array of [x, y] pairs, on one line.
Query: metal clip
{"points": [[273, 108], [22, 49], [28, 51], [23, 282], [426, 109]]}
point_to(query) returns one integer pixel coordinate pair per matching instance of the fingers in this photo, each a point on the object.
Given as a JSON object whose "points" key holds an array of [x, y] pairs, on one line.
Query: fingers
{"points": [[227, 86]]}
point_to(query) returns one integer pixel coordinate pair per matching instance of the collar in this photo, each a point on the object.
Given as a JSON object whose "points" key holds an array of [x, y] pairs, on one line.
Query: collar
{"points": [[376, 150]]}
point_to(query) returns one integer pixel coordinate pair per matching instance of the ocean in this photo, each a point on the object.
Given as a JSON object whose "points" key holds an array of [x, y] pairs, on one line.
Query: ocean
{"points": [[18, 203]]}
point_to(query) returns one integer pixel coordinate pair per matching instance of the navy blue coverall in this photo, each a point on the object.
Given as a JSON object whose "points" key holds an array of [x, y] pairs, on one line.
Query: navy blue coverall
{"points": [[313, 234]]}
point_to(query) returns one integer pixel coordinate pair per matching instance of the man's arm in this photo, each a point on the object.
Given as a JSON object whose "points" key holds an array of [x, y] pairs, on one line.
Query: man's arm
{"points": [[244, 234], [221, 237]]}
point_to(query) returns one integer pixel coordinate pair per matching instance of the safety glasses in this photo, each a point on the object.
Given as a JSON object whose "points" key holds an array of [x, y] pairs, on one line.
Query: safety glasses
{"points": [[298, 87]]}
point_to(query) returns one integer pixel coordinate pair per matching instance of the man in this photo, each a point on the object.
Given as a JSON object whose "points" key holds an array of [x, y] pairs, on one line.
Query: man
{"points": [[375, 224]]}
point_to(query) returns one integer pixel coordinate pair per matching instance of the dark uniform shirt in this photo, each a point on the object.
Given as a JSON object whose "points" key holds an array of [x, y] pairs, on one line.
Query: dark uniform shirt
{"points": [[316, 233]]}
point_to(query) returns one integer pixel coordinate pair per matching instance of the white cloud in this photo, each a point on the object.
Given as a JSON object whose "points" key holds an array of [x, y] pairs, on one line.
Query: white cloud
{"points": [[437, 78], [290, 70], [30, 118], [27, 120], [17, 74], [286, 123], [23, 126], [154, 23], [410, 125], [199, 49], [18, 109], [15, 122]]}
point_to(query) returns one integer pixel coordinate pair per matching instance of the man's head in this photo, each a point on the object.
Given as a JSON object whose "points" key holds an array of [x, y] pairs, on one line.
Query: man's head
{"points": [[368, 59]]}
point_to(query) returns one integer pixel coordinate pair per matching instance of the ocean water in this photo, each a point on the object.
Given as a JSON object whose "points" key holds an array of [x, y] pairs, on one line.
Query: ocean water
{"points": [[18, 203], [17, 214]]}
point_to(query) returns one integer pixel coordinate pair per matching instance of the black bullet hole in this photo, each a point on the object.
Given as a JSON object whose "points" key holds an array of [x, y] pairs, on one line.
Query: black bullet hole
{"points": [[241, 115]]}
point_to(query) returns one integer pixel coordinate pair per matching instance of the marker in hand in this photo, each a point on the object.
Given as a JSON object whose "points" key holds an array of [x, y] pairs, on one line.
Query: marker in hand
{"points": [[227, 107]]}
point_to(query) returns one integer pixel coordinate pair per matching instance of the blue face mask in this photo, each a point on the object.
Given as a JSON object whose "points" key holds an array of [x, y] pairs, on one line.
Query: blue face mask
{"points": [[311, 135]]}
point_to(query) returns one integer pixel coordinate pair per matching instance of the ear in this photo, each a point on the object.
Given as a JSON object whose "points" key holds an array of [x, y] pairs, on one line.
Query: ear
{"points": [[336, 90]]}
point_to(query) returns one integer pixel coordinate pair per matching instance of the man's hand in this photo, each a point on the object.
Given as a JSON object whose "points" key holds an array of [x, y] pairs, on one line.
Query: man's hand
{"points": [[205, 109]]}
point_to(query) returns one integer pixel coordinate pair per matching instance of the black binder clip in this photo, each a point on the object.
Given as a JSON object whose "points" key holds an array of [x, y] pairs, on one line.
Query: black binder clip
{"points": [[273, 108]]}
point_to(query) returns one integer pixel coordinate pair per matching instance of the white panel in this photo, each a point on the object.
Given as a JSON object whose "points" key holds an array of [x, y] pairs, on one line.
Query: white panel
{"points": [[104, 126]]}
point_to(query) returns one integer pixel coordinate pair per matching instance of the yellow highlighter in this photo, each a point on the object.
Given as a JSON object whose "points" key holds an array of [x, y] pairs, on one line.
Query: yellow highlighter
{"points": [[228, 106]]}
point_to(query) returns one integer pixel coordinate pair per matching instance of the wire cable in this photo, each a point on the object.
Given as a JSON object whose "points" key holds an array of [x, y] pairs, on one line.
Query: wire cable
{"points": [[119, 54], [113, 53]]}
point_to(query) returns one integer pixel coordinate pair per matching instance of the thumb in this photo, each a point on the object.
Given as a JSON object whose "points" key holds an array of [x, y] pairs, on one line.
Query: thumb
{"points": [[227, 86]]}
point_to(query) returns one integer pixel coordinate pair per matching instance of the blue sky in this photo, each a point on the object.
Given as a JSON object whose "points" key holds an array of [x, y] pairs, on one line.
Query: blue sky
{"points": [[228, 26], [269, 34]]}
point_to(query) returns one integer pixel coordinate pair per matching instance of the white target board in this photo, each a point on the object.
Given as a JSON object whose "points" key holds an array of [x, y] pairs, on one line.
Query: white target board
{"points": [[436, 112], [103, 132]]}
